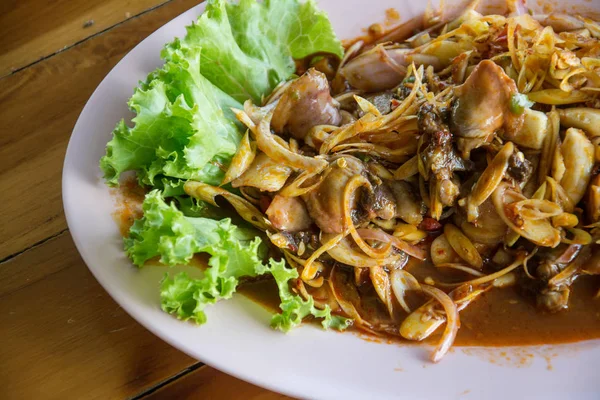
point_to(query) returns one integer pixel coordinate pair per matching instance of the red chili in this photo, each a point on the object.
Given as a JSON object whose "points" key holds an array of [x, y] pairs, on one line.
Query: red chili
{"points": [[430, 224]]}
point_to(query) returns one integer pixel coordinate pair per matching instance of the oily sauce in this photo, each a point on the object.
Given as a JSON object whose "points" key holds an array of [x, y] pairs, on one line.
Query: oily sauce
{"points": [[129, 197], [499, 317]]}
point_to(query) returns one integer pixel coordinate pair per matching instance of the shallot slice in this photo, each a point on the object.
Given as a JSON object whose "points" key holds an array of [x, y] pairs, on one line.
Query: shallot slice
{"points": [[377, 234], [452, 321]]}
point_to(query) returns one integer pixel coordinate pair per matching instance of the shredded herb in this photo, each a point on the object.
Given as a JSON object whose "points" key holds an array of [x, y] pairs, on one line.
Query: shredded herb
{"points": [[518, 103]]}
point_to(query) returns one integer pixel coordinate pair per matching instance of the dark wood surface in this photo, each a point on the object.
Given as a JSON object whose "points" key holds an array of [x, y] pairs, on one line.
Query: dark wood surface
{"points": [[62, 336]]}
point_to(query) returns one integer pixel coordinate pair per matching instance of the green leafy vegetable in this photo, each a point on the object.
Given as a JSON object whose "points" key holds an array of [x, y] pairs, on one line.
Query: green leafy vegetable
{"points": [[518, 103], [294, 309], [184, 127], [166, 232], [248, 48]]}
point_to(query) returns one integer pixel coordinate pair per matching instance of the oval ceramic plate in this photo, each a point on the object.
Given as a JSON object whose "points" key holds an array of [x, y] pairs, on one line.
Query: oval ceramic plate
{"points": [[308, 362]]}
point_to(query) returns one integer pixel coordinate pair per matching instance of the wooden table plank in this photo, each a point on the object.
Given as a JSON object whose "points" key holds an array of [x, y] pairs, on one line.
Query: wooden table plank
{"points": [[33, 29], [38, 109], [63, 337], [208, 383]]}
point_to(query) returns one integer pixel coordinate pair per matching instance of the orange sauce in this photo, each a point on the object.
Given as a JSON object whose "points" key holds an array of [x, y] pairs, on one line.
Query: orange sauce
{"points": [[499, 317], [129, 197], [391, 16], [502, 317]]}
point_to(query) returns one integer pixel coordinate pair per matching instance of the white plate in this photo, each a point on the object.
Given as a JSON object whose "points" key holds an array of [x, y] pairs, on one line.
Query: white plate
{"points": [[307, 362]]}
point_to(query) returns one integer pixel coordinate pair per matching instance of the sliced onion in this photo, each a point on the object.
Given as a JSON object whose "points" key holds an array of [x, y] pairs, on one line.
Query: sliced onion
{"points": [[250, 196], [401, 282], [245, 119], [278, 153], [317, 282], [295, 188], [559, 195], [345, 253], [275, 94], [381, 283], [305, 295], [263, 174], [569, 254], [452, 321], [565, 277], [540, 232], [379, 235], [425, 320], [350, 52], [353, 184], [397, 155], [389, 60], [516, 7], [310, 269]]}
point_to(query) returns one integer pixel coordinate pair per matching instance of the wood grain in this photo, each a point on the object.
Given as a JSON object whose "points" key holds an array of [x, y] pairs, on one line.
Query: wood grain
{"points": [[33, 29], [208, 383], [38, 109], [63, 337]]}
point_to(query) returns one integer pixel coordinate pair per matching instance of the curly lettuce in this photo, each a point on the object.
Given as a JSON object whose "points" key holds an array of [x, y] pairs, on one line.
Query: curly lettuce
{"points": [[184, 127], [165, 232], [249, 47], [294, 308]]}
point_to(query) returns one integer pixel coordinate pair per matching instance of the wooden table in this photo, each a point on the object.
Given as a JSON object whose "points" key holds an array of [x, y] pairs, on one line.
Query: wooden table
{"points": [[61, 335]]}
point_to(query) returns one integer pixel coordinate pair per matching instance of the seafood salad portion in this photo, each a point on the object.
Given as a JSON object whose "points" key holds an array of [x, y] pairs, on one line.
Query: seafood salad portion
{"points": [[386, 186]]}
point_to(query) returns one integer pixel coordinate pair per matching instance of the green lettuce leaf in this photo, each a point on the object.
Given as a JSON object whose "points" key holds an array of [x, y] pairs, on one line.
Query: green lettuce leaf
{"points": [[184, 127], [166, 232], [187, 297], [248, 48], [294, 308]]}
